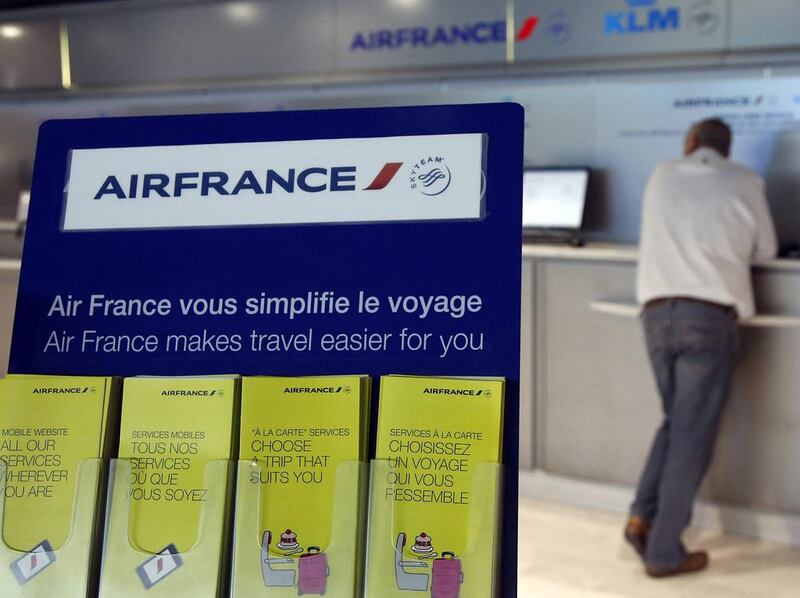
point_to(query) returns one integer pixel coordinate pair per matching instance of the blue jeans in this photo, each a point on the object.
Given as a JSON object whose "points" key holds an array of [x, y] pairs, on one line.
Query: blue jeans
{"points": [[692, 348]]}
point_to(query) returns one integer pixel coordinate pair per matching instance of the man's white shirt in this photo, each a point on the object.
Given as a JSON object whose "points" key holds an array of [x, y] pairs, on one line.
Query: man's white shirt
{"points": [[705, 220]]}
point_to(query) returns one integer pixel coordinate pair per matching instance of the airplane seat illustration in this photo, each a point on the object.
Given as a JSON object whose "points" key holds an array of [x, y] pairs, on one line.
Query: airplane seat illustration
{"points": [[405, 579], [280, 578]]}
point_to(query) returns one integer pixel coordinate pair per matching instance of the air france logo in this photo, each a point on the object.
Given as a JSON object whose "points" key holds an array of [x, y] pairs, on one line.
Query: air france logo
{"points": [[316, 390], [461, 392], [158, 567], [430, 176], [527, 29], [193, 393], [63, 391], [476, 33], [718, 102], [223, 184], [33, 563]]}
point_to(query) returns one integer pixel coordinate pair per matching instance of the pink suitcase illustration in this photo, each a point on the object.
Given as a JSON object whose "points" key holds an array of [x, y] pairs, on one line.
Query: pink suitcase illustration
{"points": [[312, 572], [447, 577]]}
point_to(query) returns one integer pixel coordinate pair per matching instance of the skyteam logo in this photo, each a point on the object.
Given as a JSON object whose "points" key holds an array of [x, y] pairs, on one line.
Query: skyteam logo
{"points": [[705, 17], [476, 33], [430, 176], [643, 16], [557, 27]]}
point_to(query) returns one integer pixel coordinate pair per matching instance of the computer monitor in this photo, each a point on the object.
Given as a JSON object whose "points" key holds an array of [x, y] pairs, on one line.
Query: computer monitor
{"points": [[554, 198]]}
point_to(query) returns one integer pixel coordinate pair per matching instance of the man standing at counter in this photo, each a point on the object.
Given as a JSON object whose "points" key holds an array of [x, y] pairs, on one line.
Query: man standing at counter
{"points": [[705, 220]]}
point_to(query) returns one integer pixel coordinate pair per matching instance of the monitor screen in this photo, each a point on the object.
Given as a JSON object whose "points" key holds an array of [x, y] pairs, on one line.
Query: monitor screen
{"points": [[554, 198]]}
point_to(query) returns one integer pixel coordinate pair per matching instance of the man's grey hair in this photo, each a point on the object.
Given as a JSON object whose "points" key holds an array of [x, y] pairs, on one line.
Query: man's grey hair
{"points": [[714, 133]]}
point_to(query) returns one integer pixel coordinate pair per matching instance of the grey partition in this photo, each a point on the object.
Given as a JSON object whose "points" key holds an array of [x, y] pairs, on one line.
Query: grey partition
{"points": [[596, 402], [220, 41]]}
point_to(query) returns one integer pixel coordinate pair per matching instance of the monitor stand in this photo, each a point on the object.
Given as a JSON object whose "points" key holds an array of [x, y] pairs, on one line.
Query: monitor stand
{"points": [[554, 237]]}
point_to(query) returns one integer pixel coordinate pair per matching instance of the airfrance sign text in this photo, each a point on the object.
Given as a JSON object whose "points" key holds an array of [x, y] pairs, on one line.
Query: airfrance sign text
{"points": [[477, 33], [285, 182]]}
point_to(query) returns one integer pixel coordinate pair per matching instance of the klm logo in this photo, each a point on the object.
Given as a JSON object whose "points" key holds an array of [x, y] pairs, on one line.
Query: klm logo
{"points": [[643, 16]]}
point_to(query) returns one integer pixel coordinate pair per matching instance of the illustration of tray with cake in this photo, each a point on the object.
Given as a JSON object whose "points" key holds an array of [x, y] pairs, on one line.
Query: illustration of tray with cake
{"points": [[309, 570], [445, 577], [288, 544]]}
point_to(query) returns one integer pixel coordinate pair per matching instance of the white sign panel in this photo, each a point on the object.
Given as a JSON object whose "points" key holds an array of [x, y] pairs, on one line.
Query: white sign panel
{"points": [[433, 177], [636, 131]]}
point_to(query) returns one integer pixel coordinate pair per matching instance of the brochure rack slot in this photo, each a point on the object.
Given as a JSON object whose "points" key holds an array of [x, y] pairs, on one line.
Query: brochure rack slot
{"points": [[390, 569], [260, 569], [62, 571], [126, 570]]}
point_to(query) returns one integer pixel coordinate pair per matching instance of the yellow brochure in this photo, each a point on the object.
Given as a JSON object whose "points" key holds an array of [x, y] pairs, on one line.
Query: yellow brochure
{"points": [[433, 523], [306, 441], [52, 435], [171, 429], [48, 425]]}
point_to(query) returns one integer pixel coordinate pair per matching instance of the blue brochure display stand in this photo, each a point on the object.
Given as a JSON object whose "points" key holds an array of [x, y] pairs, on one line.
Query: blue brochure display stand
{"points": [[371, 241]]}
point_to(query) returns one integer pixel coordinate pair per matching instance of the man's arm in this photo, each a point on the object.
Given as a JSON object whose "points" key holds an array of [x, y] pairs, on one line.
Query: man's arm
{"points": [[766, 242]]}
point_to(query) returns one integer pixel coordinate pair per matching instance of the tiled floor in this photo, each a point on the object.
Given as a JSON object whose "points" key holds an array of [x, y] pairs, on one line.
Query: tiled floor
{"points": [[570, 553]]}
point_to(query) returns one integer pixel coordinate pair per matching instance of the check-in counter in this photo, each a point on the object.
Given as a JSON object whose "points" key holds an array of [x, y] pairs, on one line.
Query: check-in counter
{"points": [[589, 402]]}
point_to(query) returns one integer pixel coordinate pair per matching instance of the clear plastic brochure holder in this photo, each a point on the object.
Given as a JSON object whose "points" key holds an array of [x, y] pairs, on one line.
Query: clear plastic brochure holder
{"points": [[46, 570], [260, 568], [468, 571], [130, 572]]}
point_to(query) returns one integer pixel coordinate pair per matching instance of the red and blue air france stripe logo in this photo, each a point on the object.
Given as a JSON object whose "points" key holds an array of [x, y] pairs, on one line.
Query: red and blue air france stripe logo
{"points": [[384, 177], [527, 29]]}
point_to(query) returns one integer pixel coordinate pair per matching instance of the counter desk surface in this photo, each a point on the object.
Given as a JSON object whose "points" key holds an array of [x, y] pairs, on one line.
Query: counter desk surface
{"points": [[608, 252], [628, 254]]}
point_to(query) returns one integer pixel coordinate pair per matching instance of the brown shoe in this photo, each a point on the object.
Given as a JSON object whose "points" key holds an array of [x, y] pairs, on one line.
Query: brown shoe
{"points": [[695, 561], [636, 532]]}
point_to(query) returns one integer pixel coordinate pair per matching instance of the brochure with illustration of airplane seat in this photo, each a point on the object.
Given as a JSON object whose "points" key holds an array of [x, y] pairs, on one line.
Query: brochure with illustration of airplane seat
{"points": [[305, 439], [434, 521]]}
